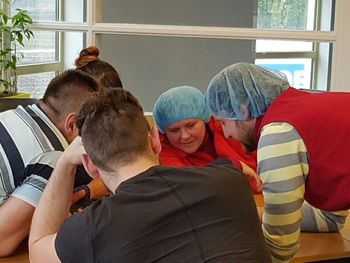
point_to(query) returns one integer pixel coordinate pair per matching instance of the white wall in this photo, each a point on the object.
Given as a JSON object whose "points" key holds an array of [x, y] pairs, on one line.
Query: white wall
{"points": [[340, 78], [149, 65]]}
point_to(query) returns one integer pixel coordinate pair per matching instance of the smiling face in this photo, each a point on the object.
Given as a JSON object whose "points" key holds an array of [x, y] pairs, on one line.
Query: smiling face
{"points": [[186, 135], [242, 131]]}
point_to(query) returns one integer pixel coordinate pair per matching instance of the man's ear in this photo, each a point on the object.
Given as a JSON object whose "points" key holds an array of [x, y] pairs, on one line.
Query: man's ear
{"points": [[245, 112], [69, 123], [70, 129], [90, 167], [154, 140]]}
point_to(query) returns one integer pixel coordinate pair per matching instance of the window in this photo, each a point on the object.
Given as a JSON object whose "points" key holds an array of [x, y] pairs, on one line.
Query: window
{"points": [[284, 14], [41, 53], [300, 61], [34, 84], [302, 53]]}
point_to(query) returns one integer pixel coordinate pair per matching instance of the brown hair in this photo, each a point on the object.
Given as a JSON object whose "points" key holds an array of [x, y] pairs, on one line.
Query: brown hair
{"points": [[104, 73], [67, 91], [113, 128]]}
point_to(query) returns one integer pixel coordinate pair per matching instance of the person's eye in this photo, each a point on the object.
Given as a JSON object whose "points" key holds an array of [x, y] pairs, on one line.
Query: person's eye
{"points": [[174, 130], [192, 124]]}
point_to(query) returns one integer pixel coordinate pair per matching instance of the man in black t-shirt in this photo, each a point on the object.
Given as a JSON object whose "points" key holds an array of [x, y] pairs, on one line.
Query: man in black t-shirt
{"points": [[156, 214]]}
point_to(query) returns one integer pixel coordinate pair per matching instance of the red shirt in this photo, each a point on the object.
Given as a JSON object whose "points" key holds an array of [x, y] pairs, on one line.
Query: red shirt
{"points": [[323, 122], [214, 145]]}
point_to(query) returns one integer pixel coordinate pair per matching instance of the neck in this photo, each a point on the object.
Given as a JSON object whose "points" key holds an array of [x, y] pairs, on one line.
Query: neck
{"points": [[52, 115], [48, 111], [113, 180]]}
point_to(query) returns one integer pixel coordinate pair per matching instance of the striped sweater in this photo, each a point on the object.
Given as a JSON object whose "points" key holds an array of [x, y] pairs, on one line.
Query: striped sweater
{"points": [[282, 151], [30, 145]]}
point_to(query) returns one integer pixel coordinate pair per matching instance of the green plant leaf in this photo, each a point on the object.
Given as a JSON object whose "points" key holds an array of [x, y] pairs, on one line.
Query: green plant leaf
{"points": [[14, 30]]}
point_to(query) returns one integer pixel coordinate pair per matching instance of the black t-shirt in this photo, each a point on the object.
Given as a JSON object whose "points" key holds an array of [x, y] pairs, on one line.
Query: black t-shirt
{"points": [[168, 214]]}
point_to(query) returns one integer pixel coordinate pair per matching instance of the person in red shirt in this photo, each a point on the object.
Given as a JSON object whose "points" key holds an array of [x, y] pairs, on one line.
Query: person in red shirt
{"points": [[191, 137], [302, 149]]}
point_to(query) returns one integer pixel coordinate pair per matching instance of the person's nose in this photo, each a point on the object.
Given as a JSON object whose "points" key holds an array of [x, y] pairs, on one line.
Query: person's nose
{"points": [[227, 134], [185, 134]]}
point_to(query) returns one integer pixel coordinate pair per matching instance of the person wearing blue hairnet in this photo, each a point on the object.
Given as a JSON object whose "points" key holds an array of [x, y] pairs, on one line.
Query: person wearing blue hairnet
{"points": [[302, 150], [190, 137]]}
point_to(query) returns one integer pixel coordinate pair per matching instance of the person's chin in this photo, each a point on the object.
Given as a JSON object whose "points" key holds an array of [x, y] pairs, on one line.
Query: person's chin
{"points": [[189, 150]]}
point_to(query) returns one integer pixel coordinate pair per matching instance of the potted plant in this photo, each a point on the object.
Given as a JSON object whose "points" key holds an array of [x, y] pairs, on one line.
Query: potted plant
{"points": [[14, 30]]}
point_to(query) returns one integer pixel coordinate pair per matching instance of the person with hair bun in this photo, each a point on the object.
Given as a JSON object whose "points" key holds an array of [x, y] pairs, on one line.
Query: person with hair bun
{"points": [[106, 76], [103, 72]]}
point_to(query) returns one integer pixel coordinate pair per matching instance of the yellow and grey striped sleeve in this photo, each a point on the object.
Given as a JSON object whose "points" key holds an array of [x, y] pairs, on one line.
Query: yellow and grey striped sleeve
{"points": [[317, 220], [282, 167]]}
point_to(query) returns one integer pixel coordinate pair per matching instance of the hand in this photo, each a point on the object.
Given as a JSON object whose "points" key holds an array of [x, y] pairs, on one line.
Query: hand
{"points": [[86, 194], [78, 196], [253, 178], [76, 202], [72, 155]]}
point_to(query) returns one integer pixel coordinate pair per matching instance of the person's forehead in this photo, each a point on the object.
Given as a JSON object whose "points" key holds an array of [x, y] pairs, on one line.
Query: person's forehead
{"points": [[228, 121], [184, 123]]}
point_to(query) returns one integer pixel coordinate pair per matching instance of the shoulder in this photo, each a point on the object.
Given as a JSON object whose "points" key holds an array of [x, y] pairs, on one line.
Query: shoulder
{"points": [[219, 164], [85, 221], [221, 170], [280, 146], [277, 133], [77, 228]]}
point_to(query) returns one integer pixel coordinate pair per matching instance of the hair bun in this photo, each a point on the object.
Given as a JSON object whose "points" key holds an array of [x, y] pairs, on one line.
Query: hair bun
{"points": [[86, 56]]}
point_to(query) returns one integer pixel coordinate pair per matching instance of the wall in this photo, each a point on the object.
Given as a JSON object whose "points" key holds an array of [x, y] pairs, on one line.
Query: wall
{"points": [[150, 65], [341, 54]]}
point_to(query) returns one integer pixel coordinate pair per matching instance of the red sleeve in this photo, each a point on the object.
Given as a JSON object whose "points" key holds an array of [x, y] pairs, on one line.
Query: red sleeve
{"points": [[230, 148], [236, 163], [253, 186]]}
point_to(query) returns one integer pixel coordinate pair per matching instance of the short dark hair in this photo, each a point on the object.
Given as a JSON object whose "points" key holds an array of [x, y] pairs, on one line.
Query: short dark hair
{"points": [[67, 91], [113, 128], [103, 72]]}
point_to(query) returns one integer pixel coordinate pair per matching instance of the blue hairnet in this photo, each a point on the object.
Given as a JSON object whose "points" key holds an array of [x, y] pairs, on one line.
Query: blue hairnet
{"points": [[177, 104], [244, 86]]}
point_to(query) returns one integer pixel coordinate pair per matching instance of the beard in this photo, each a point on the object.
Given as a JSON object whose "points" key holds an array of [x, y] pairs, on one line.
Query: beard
{"points": [[248, 140], [249, 145]]}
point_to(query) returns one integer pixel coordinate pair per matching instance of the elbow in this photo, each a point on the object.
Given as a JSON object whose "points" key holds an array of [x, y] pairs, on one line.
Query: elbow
{"points": [[32, 251], [7, 248], [281, 253]]}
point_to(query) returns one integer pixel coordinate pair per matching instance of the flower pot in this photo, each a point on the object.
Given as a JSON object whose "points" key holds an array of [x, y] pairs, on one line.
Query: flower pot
{"points": [[12, 103]]}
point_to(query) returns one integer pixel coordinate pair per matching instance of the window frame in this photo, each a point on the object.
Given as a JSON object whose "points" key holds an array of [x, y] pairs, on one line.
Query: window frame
{"points": [[92, 28], [42, 67], [313, 55]]}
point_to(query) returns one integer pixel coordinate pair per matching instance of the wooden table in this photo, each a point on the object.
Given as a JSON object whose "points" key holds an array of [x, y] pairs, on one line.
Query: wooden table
{"points": [[320, 246], [313, 246]]}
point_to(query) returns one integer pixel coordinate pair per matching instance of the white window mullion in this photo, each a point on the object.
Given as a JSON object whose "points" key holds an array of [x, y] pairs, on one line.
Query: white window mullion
{"points": [[90, 20], [212, 32], [341, 53]]}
